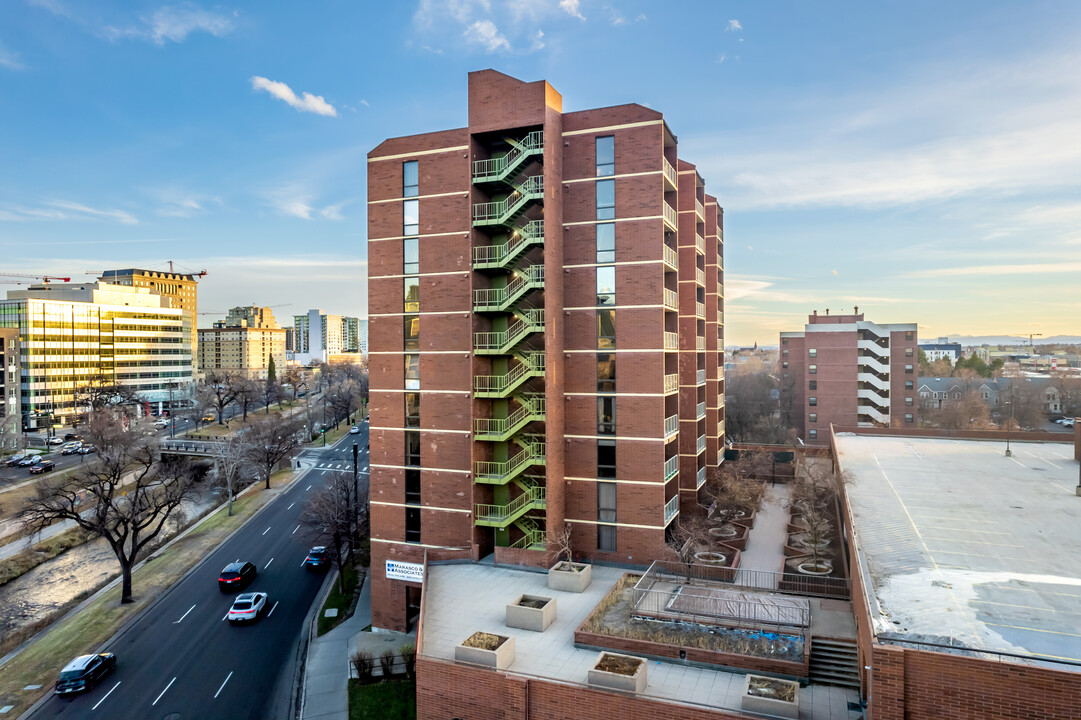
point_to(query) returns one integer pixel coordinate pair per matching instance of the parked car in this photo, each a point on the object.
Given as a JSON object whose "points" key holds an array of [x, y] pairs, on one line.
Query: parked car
{"points": [[30, 460], [87, 450], [1067, 422], [84, 672], [317, 558], [71, 448], [42, 467], [16, 459], [53, 441], [248, 607], [236, 576], [162, 423]]}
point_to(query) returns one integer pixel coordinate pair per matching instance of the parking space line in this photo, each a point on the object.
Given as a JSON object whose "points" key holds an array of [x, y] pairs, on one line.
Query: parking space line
{"points": [[99, 702], [268, 563], [1027, 607], [163, 691], [177, 622], [223, 684], [1039, 630]]}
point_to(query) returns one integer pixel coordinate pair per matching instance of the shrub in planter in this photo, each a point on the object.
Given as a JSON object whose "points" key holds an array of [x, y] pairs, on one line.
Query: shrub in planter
{"points": [[614, 671], [409, 659], [364, 664], [531, 612], [386, 663], [570, 576], [771, 696], [488, 649]]}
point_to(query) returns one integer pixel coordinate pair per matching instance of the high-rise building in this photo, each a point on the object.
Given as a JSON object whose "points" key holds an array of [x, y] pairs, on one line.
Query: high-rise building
{"points": [[850, 372], [546, 329], [317, 336], [75, 335], [350, 334], [246, 342], [180, 289], [10, 416]]}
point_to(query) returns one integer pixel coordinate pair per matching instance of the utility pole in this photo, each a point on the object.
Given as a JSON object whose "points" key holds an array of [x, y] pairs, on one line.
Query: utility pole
{"points": [[356, 499]]}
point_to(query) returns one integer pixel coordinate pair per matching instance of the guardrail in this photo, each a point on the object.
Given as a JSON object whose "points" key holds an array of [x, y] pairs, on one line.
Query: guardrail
{"points": [[671, 467], [671, 509], [671, 300], [669, 214], [671, 425], [670, 257], [669, 173], [671, 341], [767, 580], [671, 383]]}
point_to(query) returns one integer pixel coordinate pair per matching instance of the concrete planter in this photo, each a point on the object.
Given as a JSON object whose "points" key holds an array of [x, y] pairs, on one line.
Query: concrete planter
{"points": [[635, 683], [561, 576], [500, 658], [771, 705], [531, 618]]}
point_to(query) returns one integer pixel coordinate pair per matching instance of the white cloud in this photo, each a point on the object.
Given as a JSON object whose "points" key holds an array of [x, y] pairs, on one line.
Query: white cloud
{"points": [[538, 41], [429, 13], [171, 22], [10, 60], [1007, 269], [364, 102], [118, 215], [306, 103], [721, 58], [487, 35], [571, 7], [733, 26], [334, 212], [291, 201]]}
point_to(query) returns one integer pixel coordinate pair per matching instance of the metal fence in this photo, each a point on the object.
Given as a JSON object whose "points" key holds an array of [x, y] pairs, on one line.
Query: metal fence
{"points": [[717, 605], [745, 579]]}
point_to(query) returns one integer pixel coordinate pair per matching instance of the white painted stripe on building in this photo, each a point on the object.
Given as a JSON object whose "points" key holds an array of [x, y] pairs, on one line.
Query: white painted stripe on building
{"points": [[418, 153], [420, 507], [420, 197], [609, 128]]}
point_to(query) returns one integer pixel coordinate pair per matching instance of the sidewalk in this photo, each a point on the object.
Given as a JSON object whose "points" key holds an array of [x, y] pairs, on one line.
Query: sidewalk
{"points": [[765, 542]]}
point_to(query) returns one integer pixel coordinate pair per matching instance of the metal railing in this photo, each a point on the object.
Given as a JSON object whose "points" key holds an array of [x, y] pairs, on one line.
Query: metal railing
{"points": [[530, 321], [671, 300], [502, 211], [670, 216], [671, 383], [700, 276], [498, 168], [671, 467], [531, 538], [669, 173], [700, 377], [531, 365], [489, 514], [701, 408], [531, 408], [700, 446], [700, 478], [700, 310], [670, 257], [495, 255], [671, 425], [700, 210], [671, 509], [497, 473], [765, 580], [700, 344], [671, 341], [523, 280], [699, 244]]}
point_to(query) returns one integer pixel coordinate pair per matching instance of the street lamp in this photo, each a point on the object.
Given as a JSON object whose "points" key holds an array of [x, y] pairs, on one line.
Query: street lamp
{"points": [[1009, 422]]}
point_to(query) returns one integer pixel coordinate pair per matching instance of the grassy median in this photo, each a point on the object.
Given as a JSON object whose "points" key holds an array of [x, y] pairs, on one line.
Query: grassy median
{"points": [[40, 663], [390, 700]]}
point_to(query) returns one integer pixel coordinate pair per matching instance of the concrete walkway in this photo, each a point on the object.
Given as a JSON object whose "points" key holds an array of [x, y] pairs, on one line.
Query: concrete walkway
{"points": [[765, 543], [326, 673]]}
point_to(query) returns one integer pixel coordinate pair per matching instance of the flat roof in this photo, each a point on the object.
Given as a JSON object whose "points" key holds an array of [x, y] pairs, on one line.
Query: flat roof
{"points": [[961, 542]]}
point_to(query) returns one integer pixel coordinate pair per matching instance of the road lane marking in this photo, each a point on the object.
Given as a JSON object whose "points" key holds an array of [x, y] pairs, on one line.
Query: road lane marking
{"points": [[223, 685], [307, 488], [273, 608], [225, 616], [106, 695], [295, 530], [268, 563], [163, 691], [290, 506], [267, 530], [177, 622]]}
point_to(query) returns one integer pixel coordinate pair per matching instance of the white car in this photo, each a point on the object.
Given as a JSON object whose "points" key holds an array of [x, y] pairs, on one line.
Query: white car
{"points": [[1066, 422], [354, 430], [54, 441], [162, 423], [248, 607]]}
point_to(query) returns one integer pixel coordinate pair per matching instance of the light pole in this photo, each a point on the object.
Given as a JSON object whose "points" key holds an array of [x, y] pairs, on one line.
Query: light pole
{"points": [[1009, 422], [356, 499]]}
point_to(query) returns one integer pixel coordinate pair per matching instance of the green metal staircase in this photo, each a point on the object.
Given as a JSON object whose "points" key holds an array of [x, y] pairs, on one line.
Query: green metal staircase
{"points": [[530, 365], [501, 168], [503, 255]]}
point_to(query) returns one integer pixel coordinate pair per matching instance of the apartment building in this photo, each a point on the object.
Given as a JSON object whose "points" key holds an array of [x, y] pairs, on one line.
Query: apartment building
{"points": [[317, 336], [246, 342], [180, 289], [848, 371], [545, 337], [71, 335], [10, 417]]}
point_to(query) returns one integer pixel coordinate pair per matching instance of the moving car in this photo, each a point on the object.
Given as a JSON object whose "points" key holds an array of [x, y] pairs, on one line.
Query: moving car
{"points": [[354, 430], [71, 448], [41, 467], [87, 450], [162, 423], [317, 558], [30, 460], [16, 459], [236, 576], [54, 441], [248, 607], [84, 672], [209, 417], [71, 436]]}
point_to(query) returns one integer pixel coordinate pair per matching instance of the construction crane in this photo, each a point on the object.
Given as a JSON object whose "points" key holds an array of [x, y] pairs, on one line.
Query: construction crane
{"points": [[201, 273], [1031, 345], [43, 278]]}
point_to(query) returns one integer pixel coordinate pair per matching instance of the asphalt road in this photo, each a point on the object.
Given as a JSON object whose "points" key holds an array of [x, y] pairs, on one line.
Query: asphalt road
{"points": [[183, 660]]}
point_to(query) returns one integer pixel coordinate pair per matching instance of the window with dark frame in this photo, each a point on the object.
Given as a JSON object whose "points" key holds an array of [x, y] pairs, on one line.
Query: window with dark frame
{"points": [[606, 372], [606, 513], [411, 256], [606, 329], [412, 294], [606, 459], [812, 401], [812, 384], [606, 242], [606, 199], [812, 369], [606, 415], [606, 155], [411, 332], [410, 179], [410, 217], [606, 285], [412, 525], [412, 409]]}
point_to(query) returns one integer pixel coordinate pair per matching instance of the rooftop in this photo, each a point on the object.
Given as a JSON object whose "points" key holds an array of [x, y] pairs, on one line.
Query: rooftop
{"points": [[486, 590], [962, 542]]}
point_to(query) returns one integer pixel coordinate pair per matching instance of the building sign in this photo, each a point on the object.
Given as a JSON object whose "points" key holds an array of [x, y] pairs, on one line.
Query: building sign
{"points": [[411, 572]]}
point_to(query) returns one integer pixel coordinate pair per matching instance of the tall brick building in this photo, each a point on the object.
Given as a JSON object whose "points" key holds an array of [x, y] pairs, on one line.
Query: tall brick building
{"points": [[546, 329], [850, 372]]}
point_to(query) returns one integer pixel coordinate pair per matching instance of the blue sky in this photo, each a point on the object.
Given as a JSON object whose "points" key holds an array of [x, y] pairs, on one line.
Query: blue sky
{"points": [[920, 159]]}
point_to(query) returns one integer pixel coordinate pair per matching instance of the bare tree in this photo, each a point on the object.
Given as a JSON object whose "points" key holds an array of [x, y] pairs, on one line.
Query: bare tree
{"points": [[813, 496], [270, 441], [343, 397], [102, 390], [223, 386], [246, 390], [233, 467], [270, 392], [327, 519], [292, 376], [687, 536], [125, 495], [562, 542], [735, 488]]}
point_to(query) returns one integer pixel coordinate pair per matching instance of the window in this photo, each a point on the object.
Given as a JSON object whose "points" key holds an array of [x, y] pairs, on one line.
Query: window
{"points": [[411, 332], [908, 417], [908, 402], [908, 352], [813, 352], [812, 384], [606, 512], [410, 217], [410, 179], [812, 401], [412, 486], [606, 329], [606, 199], [606, 415], [908, 369], [908, 384], [606, 458], [412, 409], [812, 434], [813, 417], [412, 294], [412, 448], [606, 285], [785, 351], [784, 364], [412, 372], [606, 155], [910, 335], [812, 369], [606, 243], [412, 525], [411, 256], [606, 372]]}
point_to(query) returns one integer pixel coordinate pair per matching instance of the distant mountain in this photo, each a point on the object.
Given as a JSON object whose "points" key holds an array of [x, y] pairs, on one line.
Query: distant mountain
{"points": [[1009, 340]]}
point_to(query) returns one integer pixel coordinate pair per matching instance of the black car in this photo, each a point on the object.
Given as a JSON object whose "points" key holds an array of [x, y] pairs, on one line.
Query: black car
{"points": [[84, 672], [42, 467], [16, 459], [317, 558], [72, 436], [236, 576]]}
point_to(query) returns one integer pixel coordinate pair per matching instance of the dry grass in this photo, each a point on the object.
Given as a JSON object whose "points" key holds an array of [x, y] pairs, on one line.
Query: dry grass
{"points": [[619, 664], [28, 559], [484, 641], [768, 687], [85, 631]]}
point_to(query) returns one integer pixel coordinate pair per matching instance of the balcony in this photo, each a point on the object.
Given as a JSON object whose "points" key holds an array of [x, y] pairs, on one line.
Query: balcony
{"points": [[700, 479], [700, 276], [699, 244], [700, 411], [671, 467], [501, 342], [671, 383], [503, 255], [502, 515], [501, 299], [505, 211], [500, 386], [500, 168], [700, 344], [670, 178], [700, 310], [671, 509], [670, 217], [501, 473], [671, 258], [671, 341], [671, 426], [700, 378], [700, 446], [500, 429], [671, 301], [700, 210]]}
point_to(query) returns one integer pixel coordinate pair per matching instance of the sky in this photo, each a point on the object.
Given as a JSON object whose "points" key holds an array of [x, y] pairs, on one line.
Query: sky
{"points": [[921, 160]]}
